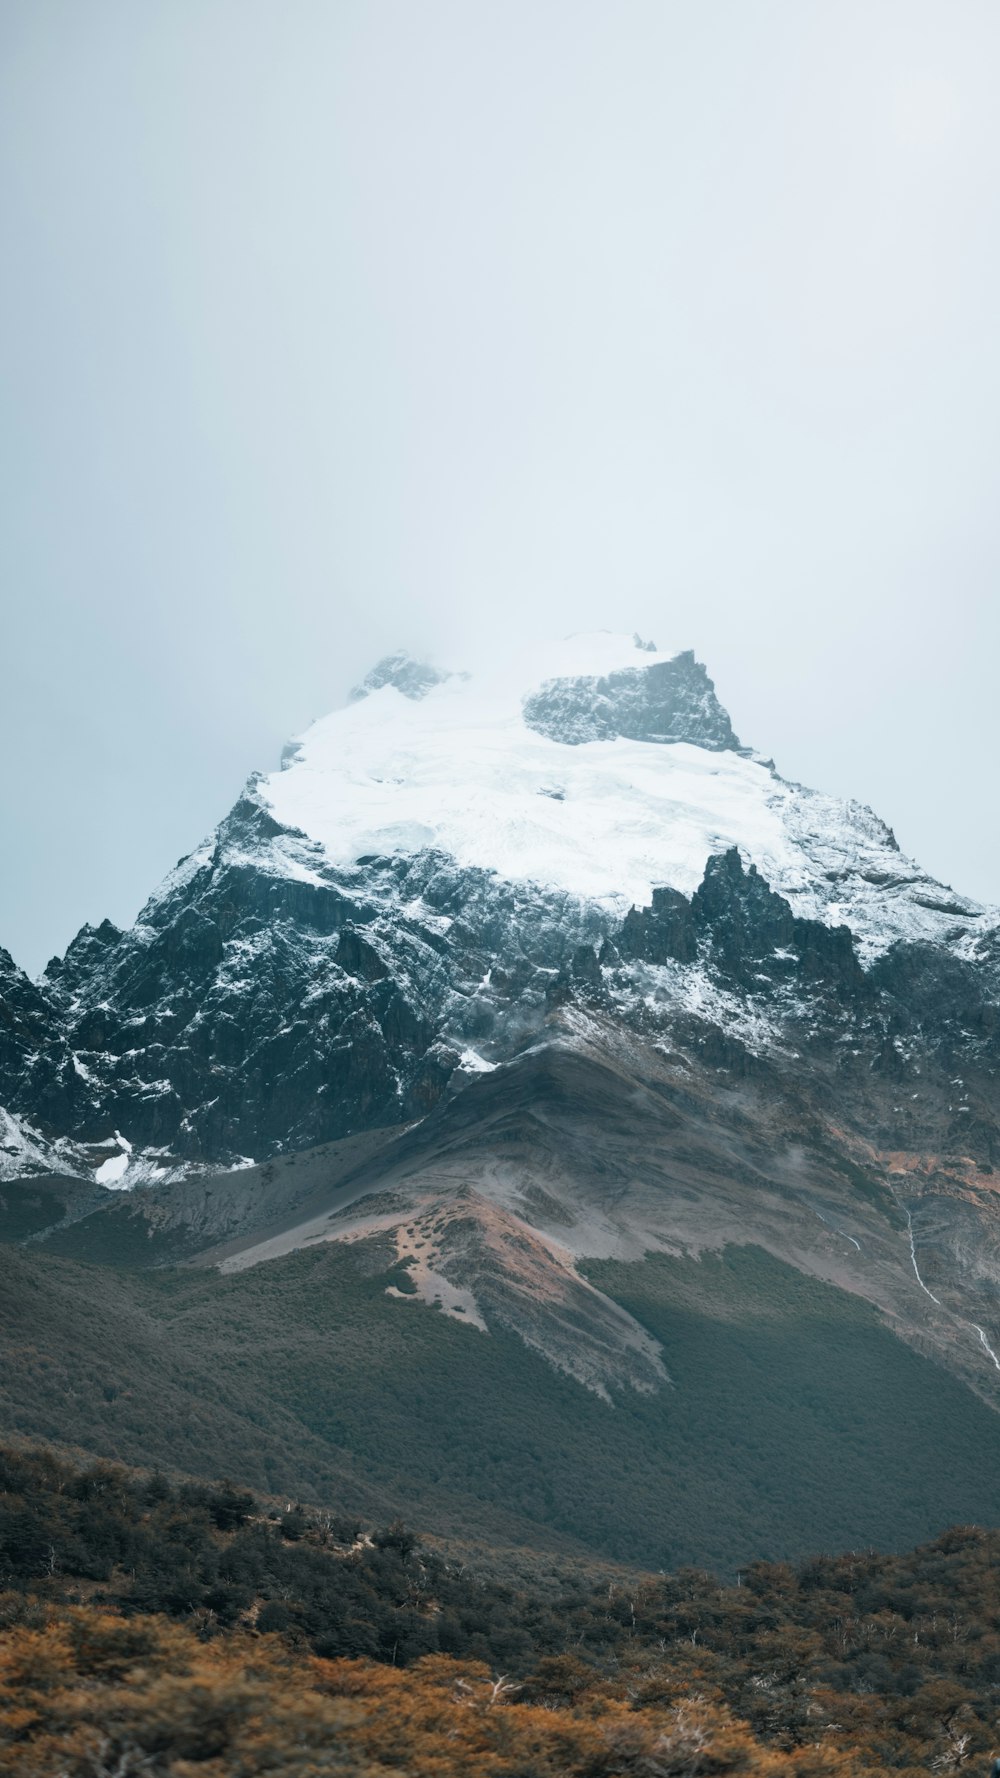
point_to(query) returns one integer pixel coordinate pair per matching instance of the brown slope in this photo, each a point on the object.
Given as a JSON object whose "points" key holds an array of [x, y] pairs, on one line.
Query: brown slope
{"points": [[599, 1145]]}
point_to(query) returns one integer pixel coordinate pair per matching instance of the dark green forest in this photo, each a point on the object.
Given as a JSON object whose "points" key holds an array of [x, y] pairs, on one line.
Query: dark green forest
{"points": [[795, 1420]]}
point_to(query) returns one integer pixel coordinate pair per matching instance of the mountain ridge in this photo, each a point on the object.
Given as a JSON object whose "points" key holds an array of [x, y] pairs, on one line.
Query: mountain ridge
{"points": [[610, 1087], [380, 949]]}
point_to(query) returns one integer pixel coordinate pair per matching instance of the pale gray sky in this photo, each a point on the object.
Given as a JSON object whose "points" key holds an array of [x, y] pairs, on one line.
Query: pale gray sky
{"points": [[327, 327]]}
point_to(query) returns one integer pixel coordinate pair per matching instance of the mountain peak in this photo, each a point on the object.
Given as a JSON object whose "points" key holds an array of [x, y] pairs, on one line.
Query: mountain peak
{"points": [[597, 767], [555, 766], [411, 676], [662, 701], [516, 673]]}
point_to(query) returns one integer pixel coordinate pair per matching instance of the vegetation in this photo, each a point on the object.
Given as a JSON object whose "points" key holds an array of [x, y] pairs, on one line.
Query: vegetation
{"points": [[170, 1631], [795, 1420], [84, 1696]]}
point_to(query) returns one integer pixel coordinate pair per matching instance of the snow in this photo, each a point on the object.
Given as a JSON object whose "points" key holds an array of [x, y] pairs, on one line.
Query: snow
{"points": [[111, 1171], [669, 987], [984, 1342], [473, 1063], [21, 1148], [25, 1151], [913, 1258], [459, 771]]}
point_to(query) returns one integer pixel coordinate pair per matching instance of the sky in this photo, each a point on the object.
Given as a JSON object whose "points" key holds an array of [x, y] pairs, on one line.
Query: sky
{"points": [[330, 327]]}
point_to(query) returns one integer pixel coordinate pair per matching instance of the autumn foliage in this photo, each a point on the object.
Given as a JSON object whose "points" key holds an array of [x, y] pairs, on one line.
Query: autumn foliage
{"points": [[85, 1693], [155, 1631]]}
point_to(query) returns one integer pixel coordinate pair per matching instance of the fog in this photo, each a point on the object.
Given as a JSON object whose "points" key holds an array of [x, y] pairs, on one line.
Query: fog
{"points": [[329, 328]]}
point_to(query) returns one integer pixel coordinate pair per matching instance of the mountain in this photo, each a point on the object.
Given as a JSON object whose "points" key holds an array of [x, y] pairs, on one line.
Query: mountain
{"points": [[541, 1001]]}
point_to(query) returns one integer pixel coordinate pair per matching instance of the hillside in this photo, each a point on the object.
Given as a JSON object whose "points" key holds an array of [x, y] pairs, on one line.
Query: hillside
{"points": [[793, 1419], [166, 1629], [531, 1111]]}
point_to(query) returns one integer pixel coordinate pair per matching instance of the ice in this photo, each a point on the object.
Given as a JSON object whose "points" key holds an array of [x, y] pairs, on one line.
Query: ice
{"points": [[459, 771], [473, 1063], [111, 1171]]}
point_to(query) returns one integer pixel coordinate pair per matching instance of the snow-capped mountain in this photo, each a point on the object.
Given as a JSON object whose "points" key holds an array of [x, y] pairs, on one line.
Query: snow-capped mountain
{"points": [[468, 892], [397, 902], [525, 1015], [601, 771]]}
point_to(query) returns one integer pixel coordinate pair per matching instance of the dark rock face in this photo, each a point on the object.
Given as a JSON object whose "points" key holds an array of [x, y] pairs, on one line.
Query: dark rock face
{"points": [[37, 1072], [26, 1017], [751, 930], [663, 932], [667, 701], [413, 678], [745, 920], [743, 929], [84, 953], [914, 1042], [585, 967], [252, 1011], [946, 999]]}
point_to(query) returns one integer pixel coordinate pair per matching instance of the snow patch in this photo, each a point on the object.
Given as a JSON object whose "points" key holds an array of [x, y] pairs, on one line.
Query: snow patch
{"points": [[473, 1063], [112, 1171], [24, 1151]]}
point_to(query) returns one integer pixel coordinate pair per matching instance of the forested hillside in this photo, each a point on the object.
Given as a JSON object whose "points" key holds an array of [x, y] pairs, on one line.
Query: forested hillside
{"points": [[173, 1629], [793, 1419]]}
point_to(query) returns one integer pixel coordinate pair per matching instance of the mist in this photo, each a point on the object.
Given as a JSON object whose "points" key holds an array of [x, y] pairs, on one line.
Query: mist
{"points": [[330, 329]]}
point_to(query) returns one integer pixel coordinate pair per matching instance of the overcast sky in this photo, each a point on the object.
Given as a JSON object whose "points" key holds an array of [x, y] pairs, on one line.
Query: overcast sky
{"points": [[328, 327]]}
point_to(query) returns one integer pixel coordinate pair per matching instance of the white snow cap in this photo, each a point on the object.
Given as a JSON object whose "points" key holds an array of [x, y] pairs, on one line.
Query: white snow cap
{"points": [[459, 770]]}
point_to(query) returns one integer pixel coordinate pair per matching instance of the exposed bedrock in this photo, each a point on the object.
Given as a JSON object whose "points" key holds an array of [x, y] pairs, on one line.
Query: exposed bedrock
{"points": [[668, 701], [255, 1010]]}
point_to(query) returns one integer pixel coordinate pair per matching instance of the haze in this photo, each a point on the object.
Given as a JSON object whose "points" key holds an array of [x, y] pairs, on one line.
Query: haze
{"points": [[330, 328]]}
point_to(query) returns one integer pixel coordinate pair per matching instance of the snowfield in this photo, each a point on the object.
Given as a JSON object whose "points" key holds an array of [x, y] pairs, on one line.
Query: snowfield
{"points": [[459, 771]]}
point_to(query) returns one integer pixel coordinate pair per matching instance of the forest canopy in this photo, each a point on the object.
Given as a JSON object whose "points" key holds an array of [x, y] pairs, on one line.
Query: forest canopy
{"points": [[149, 1626]]}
